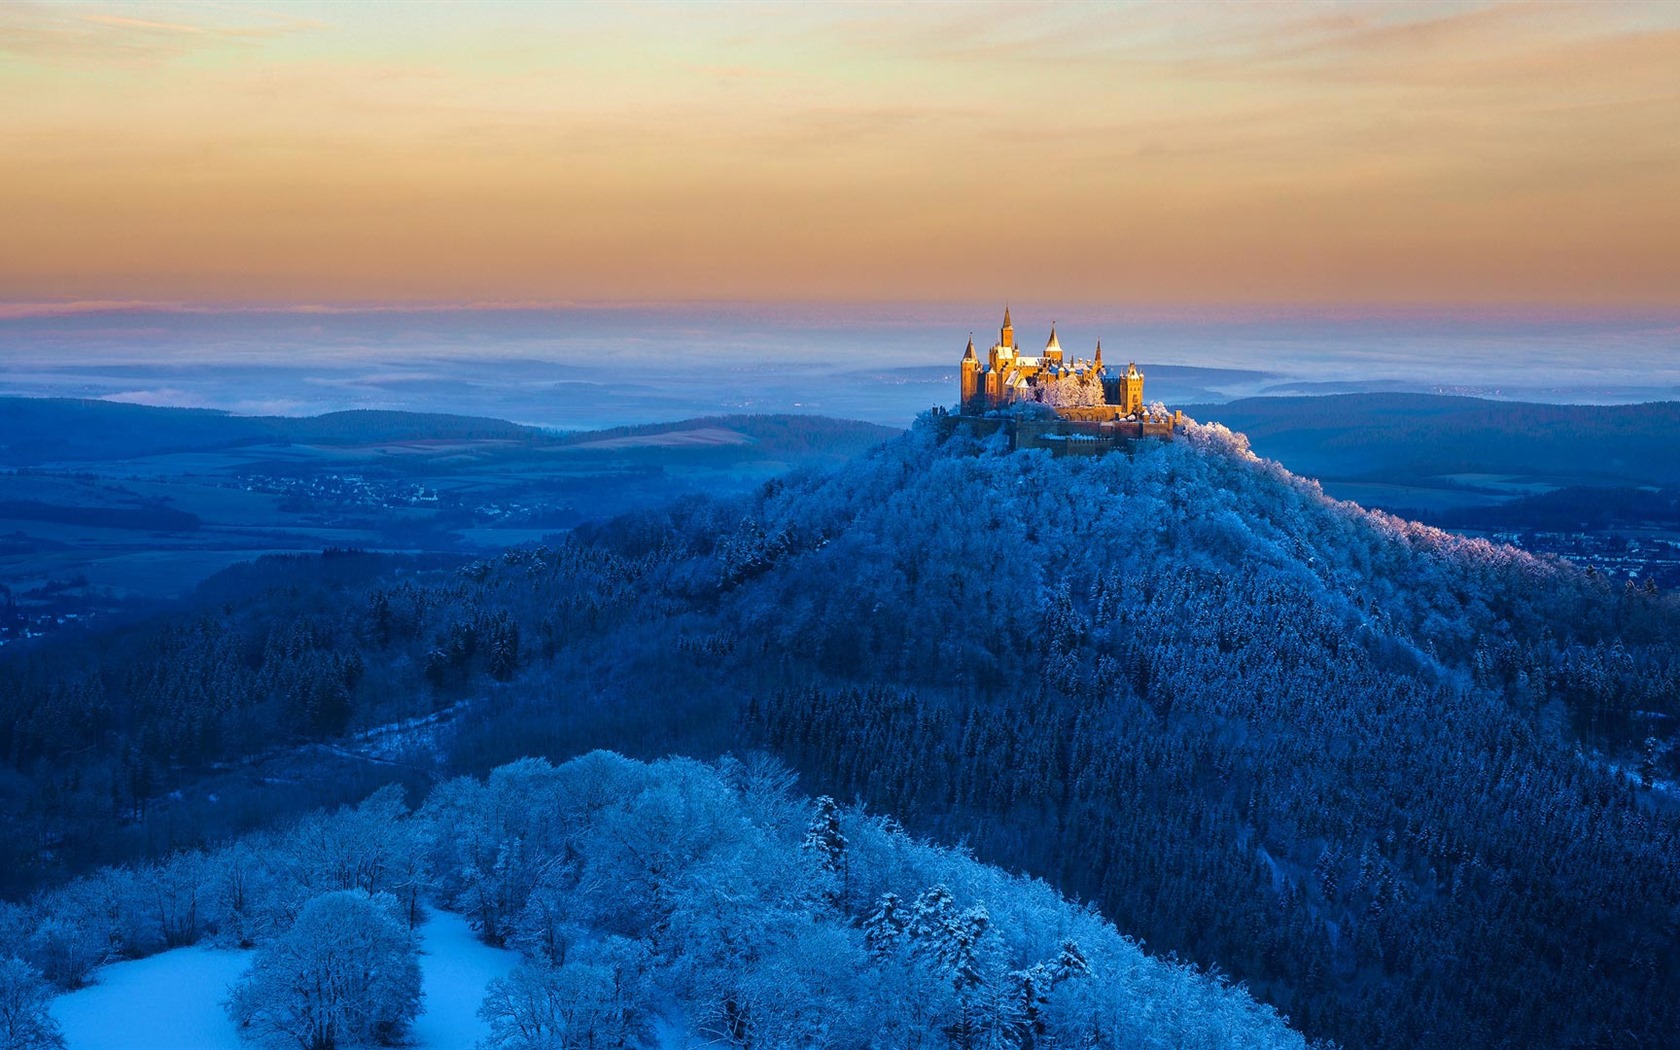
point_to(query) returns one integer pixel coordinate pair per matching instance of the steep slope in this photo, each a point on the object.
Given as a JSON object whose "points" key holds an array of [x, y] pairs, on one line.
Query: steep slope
{"points": [[1357, 763]]}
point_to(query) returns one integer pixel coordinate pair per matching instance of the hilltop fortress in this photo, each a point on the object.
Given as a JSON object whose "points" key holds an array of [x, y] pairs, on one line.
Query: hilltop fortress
{"points": [[1090, 408]]}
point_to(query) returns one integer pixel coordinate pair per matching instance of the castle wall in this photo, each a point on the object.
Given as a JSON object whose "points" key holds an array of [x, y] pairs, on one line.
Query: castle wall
{"points": [[1064, 437], [1080, 437]]}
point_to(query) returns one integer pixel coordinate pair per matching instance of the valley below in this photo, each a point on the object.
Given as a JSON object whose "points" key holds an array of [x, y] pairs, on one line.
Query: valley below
{"points": [[93, 525]]}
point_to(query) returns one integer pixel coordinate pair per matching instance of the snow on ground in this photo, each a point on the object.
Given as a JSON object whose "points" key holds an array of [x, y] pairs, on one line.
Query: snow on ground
{"points": [[454, 968], [173, 1001]]}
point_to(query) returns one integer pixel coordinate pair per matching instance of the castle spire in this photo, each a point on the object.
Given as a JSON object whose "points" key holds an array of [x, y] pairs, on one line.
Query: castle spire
{"points": [[1006, 338], [1099, 353], [968, 355], [1054, 343]]}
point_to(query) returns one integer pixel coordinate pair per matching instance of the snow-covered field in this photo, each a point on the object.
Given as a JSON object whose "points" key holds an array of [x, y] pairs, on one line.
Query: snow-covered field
{"points": [[173, 1001], [454, 968]]}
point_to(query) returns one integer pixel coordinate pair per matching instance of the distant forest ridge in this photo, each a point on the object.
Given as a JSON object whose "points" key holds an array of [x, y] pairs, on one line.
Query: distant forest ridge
{"points": [[37, 430], [794, 433], [1353, 436]]}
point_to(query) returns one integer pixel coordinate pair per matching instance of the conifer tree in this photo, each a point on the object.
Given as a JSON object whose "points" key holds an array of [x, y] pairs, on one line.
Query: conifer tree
{"points": [[930, 921], [825, 841], [884, 929]]}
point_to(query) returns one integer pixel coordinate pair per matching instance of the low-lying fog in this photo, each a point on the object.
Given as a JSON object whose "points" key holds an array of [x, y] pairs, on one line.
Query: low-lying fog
{"points": [[605, 367]]}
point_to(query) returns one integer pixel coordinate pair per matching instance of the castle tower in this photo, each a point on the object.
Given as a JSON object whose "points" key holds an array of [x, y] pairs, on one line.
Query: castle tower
{"points": [[970, 378], [1053, 349], [1098, 360], [1006, 338], [1131, 390]]}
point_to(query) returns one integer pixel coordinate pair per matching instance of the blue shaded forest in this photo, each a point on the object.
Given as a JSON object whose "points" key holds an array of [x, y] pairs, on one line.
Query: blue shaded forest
{"points": [[1412, 790]]}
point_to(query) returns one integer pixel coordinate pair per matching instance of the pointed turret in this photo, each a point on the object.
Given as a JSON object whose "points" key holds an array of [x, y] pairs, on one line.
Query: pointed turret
{"points": [[969, 392], [1006, 338], [1098, 361], [1053, 349]]}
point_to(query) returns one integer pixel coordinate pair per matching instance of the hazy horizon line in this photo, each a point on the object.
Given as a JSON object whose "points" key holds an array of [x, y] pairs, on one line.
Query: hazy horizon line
{"points": [[26, 310]]}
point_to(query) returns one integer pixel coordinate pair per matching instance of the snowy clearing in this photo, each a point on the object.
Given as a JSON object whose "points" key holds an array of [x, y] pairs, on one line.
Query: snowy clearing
{"points": [[173, 1001], [454, 968]]}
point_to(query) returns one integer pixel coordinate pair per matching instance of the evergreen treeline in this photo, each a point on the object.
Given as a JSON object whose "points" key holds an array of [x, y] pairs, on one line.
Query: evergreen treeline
{"points": [[1409, 788]]}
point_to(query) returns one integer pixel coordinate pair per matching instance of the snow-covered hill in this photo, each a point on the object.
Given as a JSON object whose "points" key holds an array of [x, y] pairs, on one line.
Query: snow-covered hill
{"points": [[1365, 767]]}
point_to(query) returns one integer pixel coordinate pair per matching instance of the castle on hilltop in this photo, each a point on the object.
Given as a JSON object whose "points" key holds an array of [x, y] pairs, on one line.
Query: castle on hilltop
{"points": [[1093, 405], [1009, 376]]}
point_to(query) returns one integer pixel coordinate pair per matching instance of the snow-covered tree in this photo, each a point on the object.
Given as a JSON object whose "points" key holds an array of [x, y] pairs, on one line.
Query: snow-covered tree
{"points": [[25, 1023], [824, 839], [597, 1000], [827, 843], [884, 929], [174, 898], [1074, 390], [547, 927], [931, 918], [1070, 963], [71, 941], [346, 974], [961, 953], [240, 882], [370, 847]]}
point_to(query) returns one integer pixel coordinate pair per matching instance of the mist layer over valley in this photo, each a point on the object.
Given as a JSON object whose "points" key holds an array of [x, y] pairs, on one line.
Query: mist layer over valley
{"points": [[587, 368]]}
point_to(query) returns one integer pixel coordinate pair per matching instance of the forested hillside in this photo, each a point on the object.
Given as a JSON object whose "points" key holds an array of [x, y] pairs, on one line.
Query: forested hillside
{"points": [[1366, 767]]}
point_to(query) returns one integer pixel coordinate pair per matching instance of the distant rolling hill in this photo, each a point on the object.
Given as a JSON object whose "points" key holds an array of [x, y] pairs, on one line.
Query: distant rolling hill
{"points": [[40, 430], [130, 501], [792, 436], [36, 430], [1412, 439]]}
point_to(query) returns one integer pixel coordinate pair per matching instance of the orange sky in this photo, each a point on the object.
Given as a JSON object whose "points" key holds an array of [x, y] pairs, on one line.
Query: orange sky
{"points": [[1155, 154]]}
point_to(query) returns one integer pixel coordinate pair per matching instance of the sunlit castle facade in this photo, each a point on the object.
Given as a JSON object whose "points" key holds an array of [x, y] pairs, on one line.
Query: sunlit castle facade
{"points": [[1079, 389]]}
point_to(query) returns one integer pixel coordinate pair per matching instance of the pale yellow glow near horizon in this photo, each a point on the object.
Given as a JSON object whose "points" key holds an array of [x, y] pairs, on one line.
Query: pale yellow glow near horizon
{"points": [[1137, 153]]}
